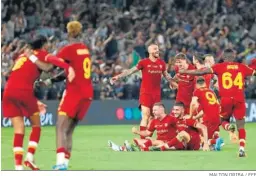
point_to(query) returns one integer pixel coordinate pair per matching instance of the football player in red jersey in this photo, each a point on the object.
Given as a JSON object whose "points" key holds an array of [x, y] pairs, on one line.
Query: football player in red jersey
{"points": [[152, 69], [185, 82], [210, 112], [231, 77], [73, 106], [188, 131], [19, 99], [253, 64], [199, 63], [163, 124], [78, 95]]}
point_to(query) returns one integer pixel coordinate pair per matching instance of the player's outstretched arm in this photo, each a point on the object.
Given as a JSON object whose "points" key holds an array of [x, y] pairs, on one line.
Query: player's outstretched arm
{"points": [[197, 72], [145, 133], [124, 74], [205, 135]]}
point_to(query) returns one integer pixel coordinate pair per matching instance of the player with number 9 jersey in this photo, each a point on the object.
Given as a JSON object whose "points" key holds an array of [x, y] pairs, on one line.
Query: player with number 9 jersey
{"points": [[79, 93], [231, 76]]}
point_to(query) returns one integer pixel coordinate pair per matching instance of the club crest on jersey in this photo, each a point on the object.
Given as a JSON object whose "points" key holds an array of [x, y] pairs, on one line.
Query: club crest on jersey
{"points": [[166, 124], [160, 66]]}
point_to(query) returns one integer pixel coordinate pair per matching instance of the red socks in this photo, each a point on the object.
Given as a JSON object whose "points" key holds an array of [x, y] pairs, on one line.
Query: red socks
{"points": [[34, 139], [142, 128], [242, 136], [225, 125], [18, 149]]}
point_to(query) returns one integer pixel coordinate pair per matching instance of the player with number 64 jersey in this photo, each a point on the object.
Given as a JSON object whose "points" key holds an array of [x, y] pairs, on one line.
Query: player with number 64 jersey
{"points": [[231, 77]]}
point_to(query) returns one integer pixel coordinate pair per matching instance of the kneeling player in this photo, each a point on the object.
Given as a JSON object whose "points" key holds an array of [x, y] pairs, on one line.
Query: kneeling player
{"points": [[210, 111], [188, 131], [165, 126]]}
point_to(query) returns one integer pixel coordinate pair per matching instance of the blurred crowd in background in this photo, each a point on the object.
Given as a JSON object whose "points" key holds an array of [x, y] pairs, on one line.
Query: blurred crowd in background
{"points": [[119, 31]]}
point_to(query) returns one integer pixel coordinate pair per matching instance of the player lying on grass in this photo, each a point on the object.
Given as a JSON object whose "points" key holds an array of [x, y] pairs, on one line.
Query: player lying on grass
{"points": [[231, 80], [152, 69], [163, 124], [207, 100]]}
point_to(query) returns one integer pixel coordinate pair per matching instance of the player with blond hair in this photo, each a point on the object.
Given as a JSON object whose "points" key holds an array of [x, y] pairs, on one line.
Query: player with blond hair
{"points": [[78, 95]]}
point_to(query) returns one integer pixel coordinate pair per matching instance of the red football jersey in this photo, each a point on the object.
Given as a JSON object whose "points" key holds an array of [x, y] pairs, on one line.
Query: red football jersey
{"points": [[78, 57], [185, 87], [165, 128], [231, 77], [187, 125], [209, 104], [208, 78], [151, 75], [24, 72], [253, 64]]}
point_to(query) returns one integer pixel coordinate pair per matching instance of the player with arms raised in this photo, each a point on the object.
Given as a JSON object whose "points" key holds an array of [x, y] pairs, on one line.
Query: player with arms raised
{"points": [[150, 91], [19, 99], [231, 77], [210, 112]]}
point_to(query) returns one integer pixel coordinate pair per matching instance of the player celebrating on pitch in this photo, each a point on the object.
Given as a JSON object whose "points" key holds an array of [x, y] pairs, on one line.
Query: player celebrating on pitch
{"points": [[231, 77], [150, 91], [210, 112], [19, 99]]}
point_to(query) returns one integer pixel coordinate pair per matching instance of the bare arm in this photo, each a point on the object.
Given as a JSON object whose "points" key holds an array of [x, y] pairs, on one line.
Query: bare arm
{"points": [[127, 72], [193, 104], [145, 133], [197, 72], [167, 76], [199, 115], [44, 66]]}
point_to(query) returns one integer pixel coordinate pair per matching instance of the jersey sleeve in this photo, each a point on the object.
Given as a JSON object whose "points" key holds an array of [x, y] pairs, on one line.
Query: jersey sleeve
{"points": [[64, 53], [216, 69], [140, 65], [41, 55], [191, 122], [247, 71], [196, 93], [151, 127]]}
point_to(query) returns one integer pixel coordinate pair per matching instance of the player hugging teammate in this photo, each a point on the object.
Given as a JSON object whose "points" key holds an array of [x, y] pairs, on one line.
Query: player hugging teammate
{"points": [[195, 100]]}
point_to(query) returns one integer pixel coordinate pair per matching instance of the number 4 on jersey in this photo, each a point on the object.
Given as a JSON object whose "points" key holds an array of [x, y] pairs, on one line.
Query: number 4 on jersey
{"points": [[227, 81]]}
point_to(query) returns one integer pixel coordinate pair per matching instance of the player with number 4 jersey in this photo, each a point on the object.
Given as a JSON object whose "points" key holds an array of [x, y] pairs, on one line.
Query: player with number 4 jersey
{"points": [[231, 77]]}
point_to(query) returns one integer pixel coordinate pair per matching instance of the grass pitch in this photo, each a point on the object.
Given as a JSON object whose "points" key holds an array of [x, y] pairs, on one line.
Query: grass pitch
{"points": [[90, 152]]}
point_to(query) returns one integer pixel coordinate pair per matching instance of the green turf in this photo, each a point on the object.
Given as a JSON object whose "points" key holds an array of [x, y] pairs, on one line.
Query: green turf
{"points": [[90, 152]]}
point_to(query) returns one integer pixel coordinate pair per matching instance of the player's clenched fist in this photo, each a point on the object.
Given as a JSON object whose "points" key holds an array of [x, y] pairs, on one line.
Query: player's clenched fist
{"points": [[206, 147]]}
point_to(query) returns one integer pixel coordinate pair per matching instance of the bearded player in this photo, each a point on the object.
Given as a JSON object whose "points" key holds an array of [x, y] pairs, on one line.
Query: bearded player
{"points": [[210, 112], [185, 82], [163, 124], [231, 77], [150, 91], [19, 99], [188, 131]]}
